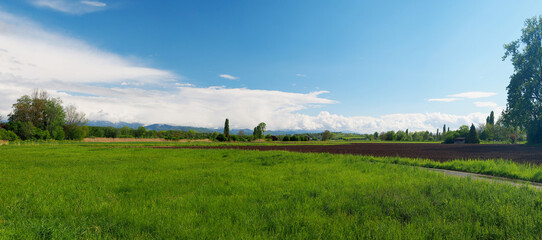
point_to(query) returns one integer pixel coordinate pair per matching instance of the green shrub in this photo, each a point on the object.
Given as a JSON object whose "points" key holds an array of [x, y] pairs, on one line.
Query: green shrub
{"points": [[8, 135], [221, 137]]}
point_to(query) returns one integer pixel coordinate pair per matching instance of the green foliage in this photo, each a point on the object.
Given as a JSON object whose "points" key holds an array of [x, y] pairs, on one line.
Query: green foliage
{"points": [[451, 136], [58, 133], [8, 135], [75, 132], [111, 132], [26, 130], [221, 138], [401, 136], [41, 134], [390, 136], [463, 131], [126, 132], [524, 108], [43, 112], [105, 192], [259, 131], [488, 133], [491, 118], [214, 135], [472, 137], [326, 135], [227, 129], [141, 132]]}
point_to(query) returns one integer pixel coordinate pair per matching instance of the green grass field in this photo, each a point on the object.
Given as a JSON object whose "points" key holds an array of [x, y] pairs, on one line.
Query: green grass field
{"points": [[106, 191]]}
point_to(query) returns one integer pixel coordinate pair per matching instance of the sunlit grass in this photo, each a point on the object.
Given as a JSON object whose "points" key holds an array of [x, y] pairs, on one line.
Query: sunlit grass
{"points": [[111, 192]]}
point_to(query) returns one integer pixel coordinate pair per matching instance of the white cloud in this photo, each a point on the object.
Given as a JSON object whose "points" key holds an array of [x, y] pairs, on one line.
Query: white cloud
{"points": [[362, 124], [473, 95], [485, 104], [184, 84], [110, 87], [94, 3], [443, 99], [32, 53], [70, 6], [301, 75], [227, 76]]}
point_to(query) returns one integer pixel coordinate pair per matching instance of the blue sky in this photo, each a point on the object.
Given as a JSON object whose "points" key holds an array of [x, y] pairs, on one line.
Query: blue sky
{"points": [[358, 66]]}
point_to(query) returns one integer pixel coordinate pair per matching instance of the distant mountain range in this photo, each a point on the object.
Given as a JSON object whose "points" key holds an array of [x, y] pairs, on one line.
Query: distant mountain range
{"points": [[166, 127]]}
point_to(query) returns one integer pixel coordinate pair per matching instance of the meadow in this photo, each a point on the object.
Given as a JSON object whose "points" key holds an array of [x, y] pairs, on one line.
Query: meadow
{"points": [[110, 191]]}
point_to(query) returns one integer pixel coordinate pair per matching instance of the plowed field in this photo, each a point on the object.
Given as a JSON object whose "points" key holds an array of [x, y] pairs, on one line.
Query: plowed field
{"points": [[438, 152]]}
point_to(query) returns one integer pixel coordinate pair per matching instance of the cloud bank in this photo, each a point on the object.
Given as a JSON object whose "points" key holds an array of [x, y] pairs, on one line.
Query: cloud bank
{"points": [[110, 87]]}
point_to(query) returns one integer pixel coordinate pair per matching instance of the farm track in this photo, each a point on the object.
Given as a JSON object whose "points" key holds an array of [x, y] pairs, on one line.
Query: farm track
{"points": [[437, 152], [490, 178]]}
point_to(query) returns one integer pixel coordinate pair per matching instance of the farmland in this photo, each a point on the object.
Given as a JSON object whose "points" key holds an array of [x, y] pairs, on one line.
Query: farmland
{"points": [[112, 191], [438, 152]]}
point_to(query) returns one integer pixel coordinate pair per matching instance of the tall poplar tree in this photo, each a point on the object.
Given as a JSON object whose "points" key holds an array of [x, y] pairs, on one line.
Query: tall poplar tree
{"points": [[227, 129]]}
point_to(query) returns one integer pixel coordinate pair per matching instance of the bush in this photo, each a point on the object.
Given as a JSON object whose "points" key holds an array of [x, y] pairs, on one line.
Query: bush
{"points": [[74, 132], [286, 138], [58, 133], [8, 135], [221, 137], [41, 134]]}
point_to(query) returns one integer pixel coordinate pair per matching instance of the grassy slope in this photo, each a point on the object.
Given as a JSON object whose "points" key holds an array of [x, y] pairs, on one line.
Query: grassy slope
{"points": [[99, 191]]}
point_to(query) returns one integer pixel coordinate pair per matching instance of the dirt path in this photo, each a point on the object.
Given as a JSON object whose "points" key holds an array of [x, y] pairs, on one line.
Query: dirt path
{"points": [[482, 177]]}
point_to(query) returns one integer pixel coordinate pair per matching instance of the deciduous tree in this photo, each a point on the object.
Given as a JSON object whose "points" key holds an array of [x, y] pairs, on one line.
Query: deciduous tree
{"points": [[259, 131], [326, 135], [75, 121], [43, 111], [524, 102]]}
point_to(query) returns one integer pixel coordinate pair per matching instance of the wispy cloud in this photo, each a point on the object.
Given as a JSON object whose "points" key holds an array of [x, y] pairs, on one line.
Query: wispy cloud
{"points": [[461, 96], [485, 104], [443, 99], [473, 95], [227, 76], [184, 84], [301, 75], [70, 6], [94, 3]]}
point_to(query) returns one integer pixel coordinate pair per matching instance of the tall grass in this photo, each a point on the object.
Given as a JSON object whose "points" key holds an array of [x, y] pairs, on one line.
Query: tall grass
{"points": [[494, 167], [107, 192]]}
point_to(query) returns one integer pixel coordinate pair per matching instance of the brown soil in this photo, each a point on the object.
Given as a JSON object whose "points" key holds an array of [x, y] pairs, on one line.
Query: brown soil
{"points": [[2, 142], [438, 152]]}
